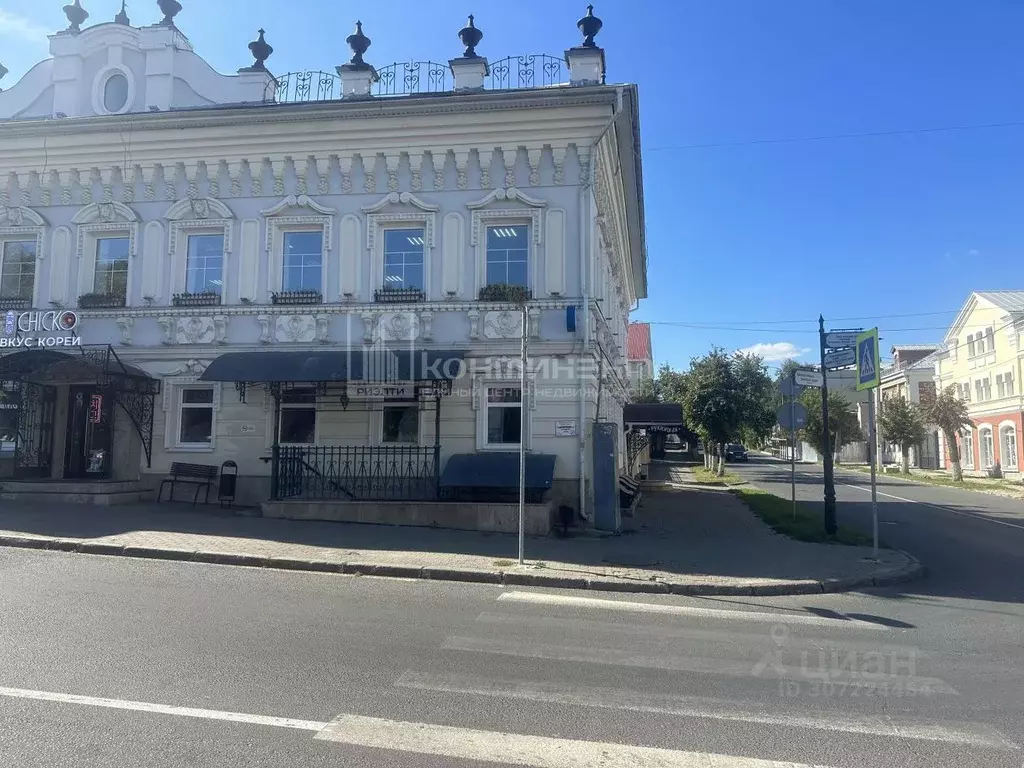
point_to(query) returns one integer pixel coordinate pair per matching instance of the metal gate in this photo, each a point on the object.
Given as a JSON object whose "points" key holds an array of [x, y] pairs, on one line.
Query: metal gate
{"points": [[33, 453]]}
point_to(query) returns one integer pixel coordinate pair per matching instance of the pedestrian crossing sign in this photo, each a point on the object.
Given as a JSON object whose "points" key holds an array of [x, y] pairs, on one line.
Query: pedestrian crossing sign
{"points": [[867, 359]]}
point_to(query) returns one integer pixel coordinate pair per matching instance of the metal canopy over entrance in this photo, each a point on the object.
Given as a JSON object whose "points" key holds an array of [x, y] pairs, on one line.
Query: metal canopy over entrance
{"points": [[29, 382]]}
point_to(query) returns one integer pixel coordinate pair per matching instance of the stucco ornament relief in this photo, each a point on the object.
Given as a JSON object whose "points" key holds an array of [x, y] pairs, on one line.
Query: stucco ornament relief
{"points": [[503, 325], [295, 328], [195, 330]]}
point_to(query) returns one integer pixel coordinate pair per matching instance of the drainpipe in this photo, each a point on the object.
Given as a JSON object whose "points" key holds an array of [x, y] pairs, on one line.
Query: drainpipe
{"points": [[586, 229]]}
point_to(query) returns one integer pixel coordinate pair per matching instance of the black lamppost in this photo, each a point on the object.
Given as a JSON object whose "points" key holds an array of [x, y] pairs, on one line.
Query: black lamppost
{"points": [[826, 440]]}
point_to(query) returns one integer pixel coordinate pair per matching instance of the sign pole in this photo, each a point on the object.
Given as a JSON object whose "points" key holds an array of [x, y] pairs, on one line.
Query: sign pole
{"points": [[792, 442], [522, 443], [826, 441], [873, 448]]}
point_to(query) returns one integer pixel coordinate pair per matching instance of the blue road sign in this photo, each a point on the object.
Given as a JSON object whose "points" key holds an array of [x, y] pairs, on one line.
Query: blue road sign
{"points": [[868, 372]]}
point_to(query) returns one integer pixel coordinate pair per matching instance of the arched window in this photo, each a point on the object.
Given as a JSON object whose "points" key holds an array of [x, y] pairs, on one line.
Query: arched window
{"points": [[967, 448], [1008, 446], [987, 452]]}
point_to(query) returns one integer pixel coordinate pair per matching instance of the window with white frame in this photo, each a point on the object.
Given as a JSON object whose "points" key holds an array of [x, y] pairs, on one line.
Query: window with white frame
{"points": [[964, 390], [400, 422], [302, 261], [195, 417], [110, 276], [297, 420], [986, 447], [990, 340], [204, 264], [504, 416], [404, 259], [967, 448], [971, 348], [508, 252], [1008, 446], [17, 269]]}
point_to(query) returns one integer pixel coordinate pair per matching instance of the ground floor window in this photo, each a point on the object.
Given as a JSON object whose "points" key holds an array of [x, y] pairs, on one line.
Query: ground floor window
{"points": [[987, 447], [504, 415], [297, 424], [1008, 446], [400, 423], [8, 417], [967, 448], [195, 417]]}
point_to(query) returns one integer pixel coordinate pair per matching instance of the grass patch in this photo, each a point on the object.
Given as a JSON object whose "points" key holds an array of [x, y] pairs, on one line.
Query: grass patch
{"points": [[707, 477], [501, 563], [968, 484], [807, 526]]}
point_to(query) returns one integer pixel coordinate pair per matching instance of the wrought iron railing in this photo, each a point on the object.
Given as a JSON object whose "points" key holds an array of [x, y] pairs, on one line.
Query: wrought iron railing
{"points": [[535, 70], [635, 444], [348, 473]]}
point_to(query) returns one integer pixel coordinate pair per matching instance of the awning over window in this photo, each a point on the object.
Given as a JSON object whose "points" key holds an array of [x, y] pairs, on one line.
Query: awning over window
{"points": [[336, 365], [498, 470], [88, 362]]}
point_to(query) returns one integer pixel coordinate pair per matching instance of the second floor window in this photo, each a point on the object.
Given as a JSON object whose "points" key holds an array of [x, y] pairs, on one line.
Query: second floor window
{"points": [[18, 270], [403, 259], [302, 267], [508, 250], [111, 276], [204, 270]]}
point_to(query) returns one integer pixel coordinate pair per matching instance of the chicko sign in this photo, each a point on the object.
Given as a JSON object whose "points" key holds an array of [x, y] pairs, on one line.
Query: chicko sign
{"points": [[54, 328]]}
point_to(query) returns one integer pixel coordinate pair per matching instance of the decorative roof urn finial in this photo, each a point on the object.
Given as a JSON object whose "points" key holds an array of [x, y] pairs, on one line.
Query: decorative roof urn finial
{"points": [[170, 8], [122, 16], [589, 25], [3, 71], [359, 43], [470, 37], [261, 51], [76, 15]]}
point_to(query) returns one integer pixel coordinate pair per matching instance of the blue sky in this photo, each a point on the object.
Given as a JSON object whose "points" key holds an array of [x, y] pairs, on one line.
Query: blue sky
{"points": [[745, 235]]}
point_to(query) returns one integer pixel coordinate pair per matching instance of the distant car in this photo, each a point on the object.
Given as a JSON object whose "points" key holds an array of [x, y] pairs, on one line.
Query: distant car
{"points": [[736, 452]]}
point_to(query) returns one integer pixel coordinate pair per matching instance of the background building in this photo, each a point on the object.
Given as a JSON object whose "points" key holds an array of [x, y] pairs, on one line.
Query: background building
{"points": [[239, 249], [639, 354], [911, 376]]}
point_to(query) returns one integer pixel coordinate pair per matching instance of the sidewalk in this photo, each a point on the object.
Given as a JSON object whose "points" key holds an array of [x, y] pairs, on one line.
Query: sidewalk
{"points": [[682, 540]]}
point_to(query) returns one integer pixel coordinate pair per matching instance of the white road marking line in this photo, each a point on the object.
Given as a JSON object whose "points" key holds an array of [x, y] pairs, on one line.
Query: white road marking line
{"points": [[163, 709], [974, 734], [516, 749], [545, 598], [986, 518], [615, 657]]}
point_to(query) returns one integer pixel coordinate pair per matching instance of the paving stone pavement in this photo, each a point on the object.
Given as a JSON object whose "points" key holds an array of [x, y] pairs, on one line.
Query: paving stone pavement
{"points": [[682, 539]]}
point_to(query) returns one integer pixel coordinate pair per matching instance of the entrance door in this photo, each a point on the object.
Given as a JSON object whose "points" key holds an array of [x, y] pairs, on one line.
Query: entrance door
{"points": [[90, 433]]}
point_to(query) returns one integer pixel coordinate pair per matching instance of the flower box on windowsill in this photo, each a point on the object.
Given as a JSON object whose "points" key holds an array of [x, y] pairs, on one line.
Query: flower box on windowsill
{"points": [[14, 302], [398, 295], [514, 294], [204, 299], [297, 297], [99, 301]]}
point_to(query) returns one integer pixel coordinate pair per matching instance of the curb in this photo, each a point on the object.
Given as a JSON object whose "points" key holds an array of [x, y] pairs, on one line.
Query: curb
{"points": [[913, 570]]}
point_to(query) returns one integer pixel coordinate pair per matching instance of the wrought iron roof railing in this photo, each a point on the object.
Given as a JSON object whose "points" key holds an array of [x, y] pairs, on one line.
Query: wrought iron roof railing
{"points": [[412, 77]]}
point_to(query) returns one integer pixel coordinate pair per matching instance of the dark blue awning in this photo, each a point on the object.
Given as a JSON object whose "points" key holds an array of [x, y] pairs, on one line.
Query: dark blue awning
{"points": [[379, 366], [498, 470]]}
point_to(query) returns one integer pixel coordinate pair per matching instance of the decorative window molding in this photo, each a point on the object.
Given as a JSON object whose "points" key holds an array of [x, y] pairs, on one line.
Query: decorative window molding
{"points": [[512, 217], [170, 404], [510, 193], [96, 221], [395, 198], [277, 225], [99, 90], [21, 223], [376, 223], [503, 373], [104, 213], [192, 216]]}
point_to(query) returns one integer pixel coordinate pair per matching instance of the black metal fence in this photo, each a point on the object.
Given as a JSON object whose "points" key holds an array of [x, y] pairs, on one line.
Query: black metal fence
{"points": [[533, 70], [355, 473]]}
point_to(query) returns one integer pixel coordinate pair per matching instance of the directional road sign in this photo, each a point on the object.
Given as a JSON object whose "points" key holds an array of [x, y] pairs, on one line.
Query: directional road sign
{"points": [[806, 377], [867, 360], [840, 339], [792, 416], [840, 358]]}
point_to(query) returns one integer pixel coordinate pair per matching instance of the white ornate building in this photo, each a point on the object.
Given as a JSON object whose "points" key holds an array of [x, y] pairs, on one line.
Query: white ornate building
{"points": [[232, 247]]}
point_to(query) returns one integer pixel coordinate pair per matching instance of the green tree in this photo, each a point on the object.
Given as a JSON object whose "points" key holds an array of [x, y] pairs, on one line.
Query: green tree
{"points": [[757, 394], [712, 401], [949, 413], [646, 391], [842, 420], [902, 423]]}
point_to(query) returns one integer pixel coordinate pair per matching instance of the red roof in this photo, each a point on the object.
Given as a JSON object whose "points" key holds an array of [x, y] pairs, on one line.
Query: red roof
{"points": [[638, 342]]}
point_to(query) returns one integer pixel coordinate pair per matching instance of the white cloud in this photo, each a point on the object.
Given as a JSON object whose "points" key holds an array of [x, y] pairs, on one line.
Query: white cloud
{"points": [[974, 252], [775, 352], [20, 27]]}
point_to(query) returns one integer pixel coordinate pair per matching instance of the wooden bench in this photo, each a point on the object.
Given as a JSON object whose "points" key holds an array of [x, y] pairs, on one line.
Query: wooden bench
{"points": [[199, 475]]}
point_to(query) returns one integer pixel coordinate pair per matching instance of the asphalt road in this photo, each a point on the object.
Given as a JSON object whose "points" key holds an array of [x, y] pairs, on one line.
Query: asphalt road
{"points": [[123, 662]]}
